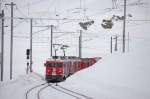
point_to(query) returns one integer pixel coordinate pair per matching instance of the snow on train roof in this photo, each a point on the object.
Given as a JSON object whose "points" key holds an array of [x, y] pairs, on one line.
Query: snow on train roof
{"points": [[69, 58], [62, 58]]}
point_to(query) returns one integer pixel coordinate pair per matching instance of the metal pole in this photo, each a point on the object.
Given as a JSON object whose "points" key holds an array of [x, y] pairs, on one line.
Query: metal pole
{"points": [[55, 53], [124, 26], [128, 42], [80, 44], [31, 21], [1, 38], [51, 41], [11, 42], [64, 52], [116, 38], [2, 45]]}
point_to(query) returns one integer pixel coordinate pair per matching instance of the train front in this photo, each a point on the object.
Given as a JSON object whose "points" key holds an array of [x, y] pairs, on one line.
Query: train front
{"points": [[54, 71]]}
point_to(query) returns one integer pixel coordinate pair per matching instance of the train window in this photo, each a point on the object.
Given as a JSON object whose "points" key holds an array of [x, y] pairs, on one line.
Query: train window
{"points": [[59, 65], [49, 65]]}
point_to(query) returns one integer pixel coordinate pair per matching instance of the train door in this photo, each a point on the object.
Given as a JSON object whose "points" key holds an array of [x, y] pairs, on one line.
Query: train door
{"points": [[74, 67], [78, 65], [68, 67], [71, 67], [65, 68]]}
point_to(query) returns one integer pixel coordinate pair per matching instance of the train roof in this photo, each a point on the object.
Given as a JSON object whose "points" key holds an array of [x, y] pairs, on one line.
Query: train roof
{"points": [[62, 58], [68, 58]]}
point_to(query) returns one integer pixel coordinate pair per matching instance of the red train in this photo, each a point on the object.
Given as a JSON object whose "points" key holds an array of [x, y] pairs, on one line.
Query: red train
{"points": [[58, 69]]}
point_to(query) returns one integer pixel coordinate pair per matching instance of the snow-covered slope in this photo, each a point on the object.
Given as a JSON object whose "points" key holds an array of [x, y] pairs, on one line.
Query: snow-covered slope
{"points": [[17, 88], [117, 75]]}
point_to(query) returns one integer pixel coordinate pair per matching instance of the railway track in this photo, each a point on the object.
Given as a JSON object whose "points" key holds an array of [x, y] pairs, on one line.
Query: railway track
{"points": [[39, 91], [69, 92], [77, 93], [59, 88], [35, 87]]}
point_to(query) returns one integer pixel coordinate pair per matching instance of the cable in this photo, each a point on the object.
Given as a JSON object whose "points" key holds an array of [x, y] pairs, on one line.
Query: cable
{"points": [[32, 3], [41, 30], [21, 12], [54, 19], [52, 2], [18, 24]]}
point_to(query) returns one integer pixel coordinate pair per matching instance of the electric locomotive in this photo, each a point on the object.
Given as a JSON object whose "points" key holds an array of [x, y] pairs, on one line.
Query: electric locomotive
{"points": [[59, 68]]}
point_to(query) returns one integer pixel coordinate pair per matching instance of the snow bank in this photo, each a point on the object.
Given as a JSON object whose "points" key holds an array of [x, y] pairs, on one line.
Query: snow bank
{"points": [[17, 88], [118, 76]]}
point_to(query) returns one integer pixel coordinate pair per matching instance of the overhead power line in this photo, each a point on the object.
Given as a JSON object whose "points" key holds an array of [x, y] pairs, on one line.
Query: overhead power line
{"points": [[17, 8], [22, 18], [32, 3], [139, 20], [64, 19], [41, 30]]}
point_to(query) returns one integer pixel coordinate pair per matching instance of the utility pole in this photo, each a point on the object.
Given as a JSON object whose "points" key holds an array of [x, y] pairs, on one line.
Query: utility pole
{"points": [[28, 60], [111, 44], [124, 26], [11, 39], [51, 54], [31, 25], [128, 42], [2, 43], [80, 44], [116, 39], [1, 68]]}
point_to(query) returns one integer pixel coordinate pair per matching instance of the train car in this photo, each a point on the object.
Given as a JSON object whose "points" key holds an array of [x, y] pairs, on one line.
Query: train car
{"points": [[58, 70]]}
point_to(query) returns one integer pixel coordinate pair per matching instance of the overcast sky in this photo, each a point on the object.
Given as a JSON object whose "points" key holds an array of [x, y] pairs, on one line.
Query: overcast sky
{"points": [[42, 7]]}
